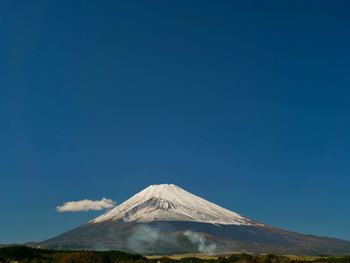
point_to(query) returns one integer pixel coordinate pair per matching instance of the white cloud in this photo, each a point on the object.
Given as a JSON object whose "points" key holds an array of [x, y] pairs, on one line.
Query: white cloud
{"points": [[86, 205]]}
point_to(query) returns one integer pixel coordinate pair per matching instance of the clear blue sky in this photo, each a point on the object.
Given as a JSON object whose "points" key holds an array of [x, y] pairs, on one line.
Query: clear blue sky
{"points": [[245, 103]]}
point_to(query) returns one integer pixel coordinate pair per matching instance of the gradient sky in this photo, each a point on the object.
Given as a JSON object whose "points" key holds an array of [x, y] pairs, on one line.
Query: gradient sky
{"points": [[245, 103]]}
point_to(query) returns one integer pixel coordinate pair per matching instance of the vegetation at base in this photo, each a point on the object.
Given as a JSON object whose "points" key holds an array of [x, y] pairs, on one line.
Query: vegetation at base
{"points": [[24, 254]]}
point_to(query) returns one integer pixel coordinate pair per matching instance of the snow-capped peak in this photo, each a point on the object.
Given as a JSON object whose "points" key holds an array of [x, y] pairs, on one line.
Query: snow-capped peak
{"points": [[168, 202]]}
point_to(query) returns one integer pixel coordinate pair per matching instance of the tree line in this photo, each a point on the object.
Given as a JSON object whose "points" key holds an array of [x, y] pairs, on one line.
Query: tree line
{"points": [[25, 254]]}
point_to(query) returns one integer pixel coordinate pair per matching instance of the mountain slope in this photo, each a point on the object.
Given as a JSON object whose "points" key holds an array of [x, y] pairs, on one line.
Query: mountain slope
{"points": [[165, 219], [168, 202]]}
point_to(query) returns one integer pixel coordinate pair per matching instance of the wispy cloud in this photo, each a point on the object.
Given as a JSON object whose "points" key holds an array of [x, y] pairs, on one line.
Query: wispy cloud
{"points": [[86, 205]]}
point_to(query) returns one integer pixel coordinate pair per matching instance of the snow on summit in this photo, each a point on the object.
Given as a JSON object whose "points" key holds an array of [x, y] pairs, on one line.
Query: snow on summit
{"points": [[168, 202]]}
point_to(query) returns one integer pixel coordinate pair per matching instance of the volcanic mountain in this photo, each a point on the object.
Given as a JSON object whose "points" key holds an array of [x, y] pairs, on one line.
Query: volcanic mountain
{"points": [[165, 219]]}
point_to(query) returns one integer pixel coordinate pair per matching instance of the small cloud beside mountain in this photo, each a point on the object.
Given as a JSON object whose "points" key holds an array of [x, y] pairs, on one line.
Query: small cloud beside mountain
{"points": [[86, 205]]}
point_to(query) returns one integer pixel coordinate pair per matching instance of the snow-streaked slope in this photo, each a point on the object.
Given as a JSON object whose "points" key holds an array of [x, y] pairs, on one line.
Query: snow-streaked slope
{"points": [[168, 202]]}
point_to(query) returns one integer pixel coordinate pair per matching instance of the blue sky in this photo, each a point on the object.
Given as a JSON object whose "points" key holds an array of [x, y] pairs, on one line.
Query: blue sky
{"points": [[245, 103]]}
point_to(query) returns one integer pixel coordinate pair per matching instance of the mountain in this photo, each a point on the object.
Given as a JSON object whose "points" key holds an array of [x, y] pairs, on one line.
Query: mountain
{"points": [[168, 202], [166, 219]]}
